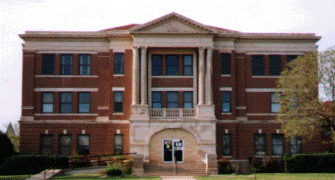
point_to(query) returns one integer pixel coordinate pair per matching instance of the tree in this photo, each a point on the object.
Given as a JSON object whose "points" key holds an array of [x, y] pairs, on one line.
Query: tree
{"points": [[13, 133], [302, 113]]}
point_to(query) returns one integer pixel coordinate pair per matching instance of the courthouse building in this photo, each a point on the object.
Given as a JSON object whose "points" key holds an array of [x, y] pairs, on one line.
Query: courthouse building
{"points": [[171, 87]]}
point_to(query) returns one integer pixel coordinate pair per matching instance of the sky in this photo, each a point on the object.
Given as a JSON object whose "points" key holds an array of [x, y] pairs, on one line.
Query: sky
{"points": [[18, 16]]}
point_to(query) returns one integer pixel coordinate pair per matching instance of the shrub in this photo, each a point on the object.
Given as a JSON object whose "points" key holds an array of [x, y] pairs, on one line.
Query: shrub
{"points": [[32, 164], [114, 170], [225, 166], [310, 163], [266, 165], [77, 161]]}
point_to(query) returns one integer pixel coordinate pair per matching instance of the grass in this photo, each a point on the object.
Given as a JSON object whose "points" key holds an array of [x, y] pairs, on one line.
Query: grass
{"points": [[16, 177], [274, 176], [100, 176]]}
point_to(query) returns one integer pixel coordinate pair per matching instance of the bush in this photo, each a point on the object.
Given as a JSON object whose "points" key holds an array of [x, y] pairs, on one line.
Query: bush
{"points": [[32, 164], [225, 167], [77, 161], [310, 163], [266, 165], [114, 170]]}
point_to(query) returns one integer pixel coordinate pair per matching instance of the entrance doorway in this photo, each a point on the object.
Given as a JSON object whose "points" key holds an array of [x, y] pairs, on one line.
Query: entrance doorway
{"points": [[173, 148]]}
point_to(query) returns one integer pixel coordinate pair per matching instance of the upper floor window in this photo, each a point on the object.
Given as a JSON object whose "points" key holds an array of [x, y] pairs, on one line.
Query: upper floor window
{"points": [[275, 102], [277, 144], [66, 66], [188, 65], [66, 102], [84, 101], [225, 101], [260, 144], [118, 143], [156, 100], [47, 102], [65, 145], [118, 63], [118, 101], [46, 144], [275, 65], [188, 99], [157, 65], [225, 64], [48, 64], [84, 64], [226, 145], [83, 145], [257, 65], [172, 100], [295, 145], [172, 64]]}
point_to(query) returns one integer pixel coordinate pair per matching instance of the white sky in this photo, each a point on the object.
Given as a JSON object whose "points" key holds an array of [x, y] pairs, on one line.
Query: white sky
{"points": [[17, 16]]}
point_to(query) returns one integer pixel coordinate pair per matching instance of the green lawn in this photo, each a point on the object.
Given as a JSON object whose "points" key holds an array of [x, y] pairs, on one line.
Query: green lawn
{"points": [[16, 177], [99, 176], [274, 176]]}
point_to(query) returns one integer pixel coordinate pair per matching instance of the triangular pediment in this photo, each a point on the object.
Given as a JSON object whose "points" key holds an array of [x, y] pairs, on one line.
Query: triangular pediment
{"points": [[172, 24]]}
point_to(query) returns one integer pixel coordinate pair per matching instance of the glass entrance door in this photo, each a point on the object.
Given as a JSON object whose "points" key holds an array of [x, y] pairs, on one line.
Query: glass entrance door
{"points": [[173, 148]]}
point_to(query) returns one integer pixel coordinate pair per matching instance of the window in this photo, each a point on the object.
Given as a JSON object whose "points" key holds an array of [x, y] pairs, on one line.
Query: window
{"points": [[188, 100], [188, 65], [66, 67], [225, 64], [48, 64], [290, 58], [172, 100], [275, 65], [83, 146], [277, 144], [118, 101], [66, 102], [156, 100], [65, 145], [46, 144], [47, 102], [84, 101], [118, 63], [275, 102], [257, 65], [225, 101], [172, 65], [295, 145], [260, 144], [157, 65], [84, 64], [118, 143], [226, 145]]}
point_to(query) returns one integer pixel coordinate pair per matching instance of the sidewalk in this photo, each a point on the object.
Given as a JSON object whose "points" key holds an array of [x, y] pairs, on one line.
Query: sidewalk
{"points": [[48, 174], [178, 178]]}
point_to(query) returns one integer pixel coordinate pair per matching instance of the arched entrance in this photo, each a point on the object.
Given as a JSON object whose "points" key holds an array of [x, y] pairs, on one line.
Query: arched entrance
{"points": [[164, 144]]}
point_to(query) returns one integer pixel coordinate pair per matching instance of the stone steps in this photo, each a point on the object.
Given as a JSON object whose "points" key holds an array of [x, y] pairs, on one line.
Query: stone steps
{"points": [[183, 169]]}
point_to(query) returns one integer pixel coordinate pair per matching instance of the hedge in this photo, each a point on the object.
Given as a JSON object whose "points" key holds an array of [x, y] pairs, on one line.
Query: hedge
{"points": [[32, 164], [310, 163]]}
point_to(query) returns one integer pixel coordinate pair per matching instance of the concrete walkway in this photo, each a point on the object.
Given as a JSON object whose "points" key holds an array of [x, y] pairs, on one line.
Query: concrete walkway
{"points": [[48, 174], [178, 178]]}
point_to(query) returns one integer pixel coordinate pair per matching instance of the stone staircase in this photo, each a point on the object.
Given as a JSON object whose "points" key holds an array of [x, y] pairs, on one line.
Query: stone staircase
{"points": [[168, 169]]}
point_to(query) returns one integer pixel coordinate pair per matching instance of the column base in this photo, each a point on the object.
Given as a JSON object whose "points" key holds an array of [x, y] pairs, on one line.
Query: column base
{"points": [[139, 112], [205, 111]]}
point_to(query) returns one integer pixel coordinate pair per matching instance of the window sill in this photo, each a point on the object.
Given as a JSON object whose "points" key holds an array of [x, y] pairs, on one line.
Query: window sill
{"points": [[225, 75], [265, 76], [118, 75], [118, 113], [69, 76], [226, 156], [225, 113], [66, 114]]}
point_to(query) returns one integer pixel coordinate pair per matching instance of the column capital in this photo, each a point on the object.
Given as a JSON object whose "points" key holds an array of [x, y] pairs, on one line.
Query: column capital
{"points": [[143, 47], [136, 47], [209, 48], [201, 48]]}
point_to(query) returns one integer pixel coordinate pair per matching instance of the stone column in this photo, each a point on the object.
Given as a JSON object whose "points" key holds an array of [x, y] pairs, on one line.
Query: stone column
{"points": [[209, 75], [144, 76], [201, 75], [135, 93]]}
